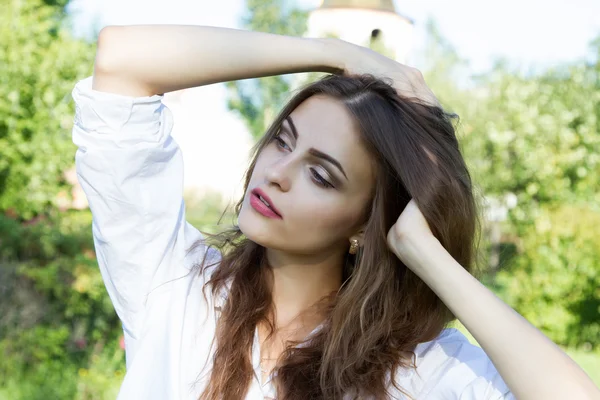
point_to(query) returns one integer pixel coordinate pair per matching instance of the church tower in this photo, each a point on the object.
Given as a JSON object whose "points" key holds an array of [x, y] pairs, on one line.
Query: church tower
{"points": [[364, 22]]}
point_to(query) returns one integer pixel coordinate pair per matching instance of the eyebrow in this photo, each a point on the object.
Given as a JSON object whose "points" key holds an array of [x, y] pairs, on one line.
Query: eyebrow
{"points": [[314, 152]]}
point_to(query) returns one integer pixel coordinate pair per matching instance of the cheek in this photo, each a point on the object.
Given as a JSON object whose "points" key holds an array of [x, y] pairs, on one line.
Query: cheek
{"points": [[334, 219], [328, 220]]}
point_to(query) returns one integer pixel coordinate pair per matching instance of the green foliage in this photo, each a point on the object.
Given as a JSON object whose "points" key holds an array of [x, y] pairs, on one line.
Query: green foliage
{"points": [[39, 63], [59, 321], [59, 335], [209, 212], [259, 100], [555, 280], [537, 137]]}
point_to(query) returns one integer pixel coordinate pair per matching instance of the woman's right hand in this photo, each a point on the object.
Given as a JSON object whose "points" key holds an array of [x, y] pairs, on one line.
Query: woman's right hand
{"points": [[357, 60]]}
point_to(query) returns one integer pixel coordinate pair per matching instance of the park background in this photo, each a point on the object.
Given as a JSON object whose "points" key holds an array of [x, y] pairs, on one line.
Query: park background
{"points": [[524, 77]]}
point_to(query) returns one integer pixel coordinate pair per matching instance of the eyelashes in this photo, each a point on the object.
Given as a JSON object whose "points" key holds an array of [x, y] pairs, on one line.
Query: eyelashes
{"points": [[281, 143], [317, 178]]}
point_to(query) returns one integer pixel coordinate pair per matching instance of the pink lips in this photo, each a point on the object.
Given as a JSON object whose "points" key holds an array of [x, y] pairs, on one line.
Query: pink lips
{"points": [[268, 210]]}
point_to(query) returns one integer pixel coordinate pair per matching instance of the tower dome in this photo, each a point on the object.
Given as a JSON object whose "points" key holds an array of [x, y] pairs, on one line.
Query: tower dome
{"points": [[381, 5], [364, 22]]}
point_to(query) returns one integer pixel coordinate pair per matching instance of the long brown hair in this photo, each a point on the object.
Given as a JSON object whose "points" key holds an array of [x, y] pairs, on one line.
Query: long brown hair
{"points": [[383, 310]]}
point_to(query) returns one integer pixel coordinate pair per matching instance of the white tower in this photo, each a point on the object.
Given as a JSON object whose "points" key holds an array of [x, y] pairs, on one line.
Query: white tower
{"points": [[362, 22]]}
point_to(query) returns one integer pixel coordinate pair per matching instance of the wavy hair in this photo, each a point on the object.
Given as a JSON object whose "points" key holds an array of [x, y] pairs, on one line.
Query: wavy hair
{"points": [[383, 310]]}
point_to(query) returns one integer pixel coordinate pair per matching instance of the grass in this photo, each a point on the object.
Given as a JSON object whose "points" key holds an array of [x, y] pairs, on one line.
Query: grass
{"points": [[589, 361]]}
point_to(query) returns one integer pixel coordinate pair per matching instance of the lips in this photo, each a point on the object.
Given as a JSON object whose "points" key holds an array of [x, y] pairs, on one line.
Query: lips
{"points": [[263, 204]]}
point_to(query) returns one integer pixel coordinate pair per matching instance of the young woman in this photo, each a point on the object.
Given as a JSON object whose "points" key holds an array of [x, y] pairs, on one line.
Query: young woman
{"points": [[353, 246]]}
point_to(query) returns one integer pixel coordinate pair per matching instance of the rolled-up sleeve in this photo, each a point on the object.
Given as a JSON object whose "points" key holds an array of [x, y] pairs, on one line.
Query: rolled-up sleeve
{"points": [[451, 368], [490, 387], [131, 171]]}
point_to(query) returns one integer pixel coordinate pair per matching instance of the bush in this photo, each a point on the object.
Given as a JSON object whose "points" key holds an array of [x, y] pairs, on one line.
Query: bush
{"points": [[59, 333], [554, 281]]}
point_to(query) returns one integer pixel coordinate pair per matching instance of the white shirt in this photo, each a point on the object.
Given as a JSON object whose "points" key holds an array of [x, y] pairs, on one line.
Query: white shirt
{"points": [[131, 170]]}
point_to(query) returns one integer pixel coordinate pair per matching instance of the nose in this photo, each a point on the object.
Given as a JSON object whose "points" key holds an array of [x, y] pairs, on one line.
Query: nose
{"points": [[279, 172]]}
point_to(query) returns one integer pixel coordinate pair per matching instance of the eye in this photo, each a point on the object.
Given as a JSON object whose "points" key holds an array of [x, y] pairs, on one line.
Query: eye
{"points": [[319, 180], [279, 142]]}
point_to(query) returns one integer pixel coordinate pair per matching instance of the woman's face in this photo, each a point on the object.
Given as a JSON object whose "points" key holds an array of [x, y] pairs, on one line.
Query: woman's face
{"points": [[317, 176]]}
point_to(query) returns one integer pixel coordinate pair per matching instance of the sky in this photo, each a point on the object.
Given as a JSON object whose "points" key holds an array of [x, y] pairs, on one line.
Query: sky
{"points": [[530, 34], [536, 33]]}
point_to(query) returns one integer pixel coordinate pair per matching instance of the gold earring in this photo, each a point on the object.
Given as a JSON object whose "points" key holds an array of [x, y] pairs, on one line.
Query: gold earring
{"points": [[353, 246]]}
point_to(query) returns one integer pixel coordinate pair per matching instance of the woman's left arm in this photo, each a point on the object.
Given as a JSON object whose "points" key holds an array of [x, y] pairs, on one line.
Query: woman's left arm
{"points": [[531, 365]]}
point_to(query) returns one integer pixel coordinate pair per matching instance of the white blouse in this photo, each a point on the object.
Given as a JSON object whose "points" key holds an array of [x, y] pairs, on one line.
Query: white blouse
{"points": [[131, 170]]}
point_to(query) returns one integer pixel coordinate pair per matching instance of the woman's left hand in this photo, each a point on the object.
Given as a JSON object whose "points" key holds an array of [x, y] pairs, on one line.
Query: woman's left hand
{"points": [[410, 235], [356, 60]]}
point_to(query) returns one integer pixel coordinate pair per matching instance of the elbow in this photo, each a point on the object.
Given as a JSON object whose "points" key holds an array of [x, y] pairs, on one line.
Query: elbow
{"points": [[109, 50], [117, 67]]}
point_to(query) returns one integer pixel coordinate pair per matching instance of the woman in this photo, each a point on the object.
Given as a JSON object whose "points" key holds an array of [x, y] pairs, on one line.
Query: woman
{"points": [[354, 243]]}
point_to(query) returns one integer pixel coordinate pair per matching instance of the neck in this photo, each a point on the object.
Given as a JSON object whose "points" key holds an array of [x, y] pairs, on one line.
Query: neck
{"points": [[301, 281]]}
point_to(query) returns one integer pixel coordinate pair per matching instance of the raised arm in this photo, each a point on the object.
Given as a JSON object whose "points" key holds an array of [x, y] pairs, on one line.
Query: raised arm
{"points": [[144, 60], [532, 366], [130, 167]]}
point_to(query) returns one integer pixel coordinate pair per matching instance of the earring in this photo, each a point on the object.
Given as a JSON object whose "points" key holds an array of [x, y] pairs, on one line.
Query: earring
{"points": [[353, 246]]}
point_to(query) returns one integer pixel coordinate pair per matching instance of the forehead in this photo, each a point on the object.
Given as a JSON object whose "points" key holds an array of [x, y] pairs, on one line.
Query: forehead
{"points": [[325, 124]]}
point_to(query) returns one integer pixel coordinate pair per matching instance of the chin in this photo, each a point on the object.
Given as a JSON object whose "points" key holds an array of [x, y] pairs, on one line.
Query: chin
{"points": [[255, 227]]}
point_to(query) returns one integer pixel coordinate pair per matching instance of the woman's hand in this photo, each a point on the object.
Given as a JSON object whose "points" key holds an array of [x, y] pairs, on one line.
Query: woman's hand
{"points": [[410, 236], [524, 357], [408, 81]]}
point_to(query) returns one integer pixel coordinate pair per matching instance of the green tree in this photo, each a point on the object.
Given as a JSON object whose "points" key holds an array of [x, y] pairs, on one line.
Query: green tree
{"points": [[59, 323], [257, 101], [59, 335], [39, 63], [536, 137], [554, 281]]}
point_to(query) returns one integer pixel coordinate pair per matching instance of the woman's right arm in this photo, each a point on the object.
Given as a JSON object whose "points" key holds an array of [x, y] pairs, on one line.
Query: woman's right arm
{"points": [[144, 60], [129, 166]]}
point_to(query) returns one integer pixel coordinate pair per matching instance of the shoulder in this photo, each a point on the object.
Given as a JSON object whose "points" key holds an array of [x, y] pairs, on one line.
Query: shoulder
{"points": [[450, 367], [107, 113]]}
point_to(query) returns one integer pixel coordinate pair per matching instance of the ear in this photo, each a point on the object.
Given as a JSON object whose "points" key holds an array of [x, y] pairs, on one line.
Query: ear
{"points": [[359, 235]]}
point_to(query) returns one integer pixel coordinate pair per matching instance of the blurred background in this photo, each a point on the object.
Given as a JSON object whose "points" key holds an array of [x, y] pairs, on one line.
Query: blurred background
{"points": [[524, 77]]}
